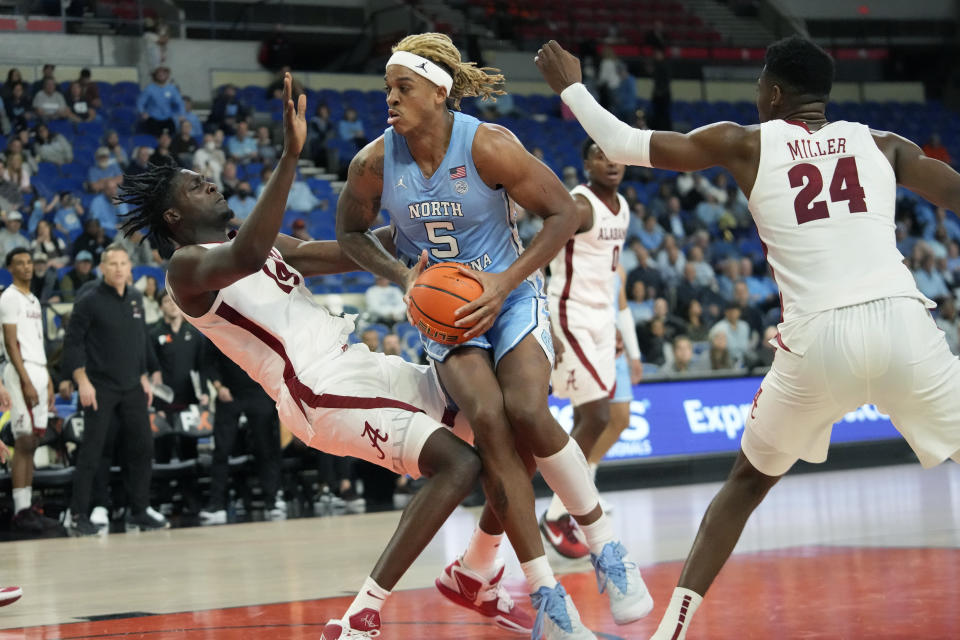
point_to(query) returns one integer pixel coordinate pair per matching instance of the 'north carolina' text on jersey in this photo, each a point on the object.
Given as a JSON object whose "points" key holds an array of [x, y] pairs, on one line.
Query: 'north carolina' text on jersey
{"points": [[824, 204], [452, 214]]}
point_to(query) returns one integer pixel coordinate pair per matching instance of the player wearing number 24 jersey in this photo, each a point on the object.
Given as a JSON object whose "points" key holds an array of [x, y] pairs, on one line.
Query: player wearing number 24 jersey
{"points": [[855, 328]]}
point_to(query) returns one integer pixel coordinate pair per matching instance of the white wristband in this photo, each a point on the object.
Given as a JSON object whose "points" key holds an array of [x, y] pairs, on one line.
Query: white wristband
{"points": [[619, 141], [628, 331]]}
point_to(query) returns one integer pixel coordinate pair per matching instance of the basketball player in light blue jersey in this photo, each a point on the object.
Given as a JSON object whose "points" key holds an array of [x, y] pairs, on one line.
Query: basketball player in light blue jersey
{"points": [[447, 181]]}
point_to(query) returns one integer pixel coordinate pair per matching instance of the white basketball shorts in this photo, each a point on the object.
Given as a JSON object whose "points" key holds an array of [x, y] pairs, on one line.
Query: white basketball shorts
{"points": [[886, 352], [23, 420], [370, 406], [586, 369]]}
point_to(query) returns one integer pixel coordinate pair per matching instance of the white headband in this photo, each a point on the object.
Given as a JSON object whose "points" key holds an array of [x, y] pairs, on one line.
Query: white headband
{"points": [[421, 66]]}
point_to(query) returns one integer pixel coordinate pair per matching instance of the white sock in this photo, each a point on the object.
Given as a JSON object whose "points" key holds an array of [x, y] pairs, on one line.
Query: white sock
{"points": [[568, 474], [538, 574], [22, 499], [371, 596], [481, 553], [598, 534], [556, 509], [676, 619]]}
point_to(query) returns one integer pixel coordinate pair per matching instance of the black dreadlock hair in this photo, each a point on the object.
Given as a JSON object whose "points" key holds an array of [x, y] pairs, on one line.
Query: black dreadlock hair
{"points": [[805, 68], [150, 194]]}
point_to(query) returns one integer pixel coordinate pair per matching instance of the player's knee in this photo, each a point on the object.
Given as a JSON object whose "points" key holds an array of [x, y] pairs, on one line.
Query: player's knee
{"points": [[751, 481], [490, 427], [526, 414], [25, 443]]}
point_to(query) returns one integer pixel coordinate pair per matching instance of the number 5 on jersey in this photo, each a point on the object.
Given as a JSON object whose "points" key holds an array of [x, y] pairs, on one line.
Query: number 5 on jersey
{"points": [[452, 250], [845, 186]]}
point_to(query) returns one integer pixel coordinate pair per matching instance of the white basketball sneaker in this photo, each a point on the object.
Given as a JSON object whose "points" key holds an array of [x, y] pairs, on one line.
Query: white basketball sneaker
{"points": [[557, 617], [620, 579]]}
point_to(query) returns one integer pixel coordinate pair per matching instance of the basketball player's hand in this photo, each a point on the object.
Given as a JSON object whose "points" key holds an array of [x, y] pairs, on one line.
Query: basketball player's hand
{"points": [[51, 396], [30, 395], [224, 395], [88, 395], [4, 398], [412, 276], [559, 67], [294, 119], [4, 452], [147, 389], [65, 389], [636, 371], [483, 312]]}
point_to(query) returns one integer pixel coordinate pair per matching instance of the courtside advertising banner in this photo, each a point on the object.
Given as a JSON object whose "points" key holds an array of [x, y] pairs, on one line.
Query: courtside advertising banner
{"points": [[691, 417]]}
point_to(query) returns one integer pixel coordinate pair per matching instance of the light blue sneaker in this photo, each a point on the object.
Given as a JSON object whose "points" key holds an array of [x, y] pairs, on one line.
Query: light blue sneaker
{"points": [[621, 580], [557, 617]]}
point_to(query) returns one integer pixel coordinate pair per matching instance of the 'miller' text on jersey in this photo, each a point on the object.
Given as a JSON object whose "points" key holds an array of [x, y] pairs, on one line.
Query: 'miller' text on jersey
{"points": [[805, 149]]}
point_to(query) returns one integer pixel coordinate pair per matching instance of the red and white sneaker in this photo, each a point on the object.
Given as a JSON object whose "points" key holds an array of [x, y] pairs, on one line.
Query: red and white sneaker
{"points": [[363, 624], [488, 598], [564, 535], [9, 595]]}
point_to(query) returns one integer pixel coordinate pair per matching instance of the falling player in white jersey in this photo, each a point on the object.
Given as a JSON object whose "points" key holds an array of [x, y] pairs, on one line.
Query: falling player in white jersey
{"points": [[247, 295], [584, 321], [855, 328]]}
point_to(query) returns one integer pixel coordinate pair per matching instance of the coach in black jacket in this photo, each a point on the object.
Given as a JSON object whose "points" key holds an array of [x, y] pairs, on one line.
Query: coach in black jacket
{"points": [[106, 351]]}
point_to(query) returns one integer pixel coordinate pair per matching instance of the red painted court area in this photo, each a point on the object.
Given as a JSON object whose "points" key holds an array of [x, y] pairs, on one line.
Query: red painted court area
{"points": [[811, 593]]}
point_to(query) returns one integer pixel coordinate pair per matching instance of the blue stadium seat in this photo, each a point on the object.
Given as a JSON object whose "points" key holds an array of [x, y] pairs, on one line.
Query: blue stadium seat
{"points": [[63, 127], [142, 271], [73, 169], [93, 129], [6, 278], [144, 140]]}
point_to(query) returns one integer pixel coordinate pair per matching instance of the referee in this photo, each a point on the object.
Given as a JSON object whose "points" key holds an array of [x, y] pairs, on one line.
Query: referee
{"points": [[106, 349]]}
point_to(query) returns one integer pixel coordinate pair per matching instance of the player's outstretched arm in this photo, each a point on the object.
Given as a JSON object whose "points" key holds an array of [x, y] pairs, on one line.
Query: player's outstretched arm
{"points": [[936, 181], [719, 144], [321, 257], [357, 210], [502, 161], [195, 270]]}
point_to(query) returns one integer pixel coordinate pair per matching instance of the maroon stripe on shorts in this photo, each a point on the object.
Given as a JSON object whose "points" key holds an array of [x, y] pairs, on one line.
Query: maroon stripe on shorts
{"points": [[303, 394], [574, 344]]}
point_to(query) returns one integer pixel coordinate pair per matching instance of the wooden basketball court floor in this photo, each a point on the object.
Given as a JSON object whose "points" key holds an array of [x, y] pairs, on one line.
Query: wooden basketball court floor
{"points": [[843, 554]]}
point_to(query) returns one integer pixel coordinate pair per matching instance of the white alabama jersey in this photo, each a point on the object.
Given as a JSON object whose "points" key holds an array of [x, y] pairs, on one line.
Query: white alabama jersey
{"points": [[23, 310], [270, 325], [824, 205], [584, 270]]}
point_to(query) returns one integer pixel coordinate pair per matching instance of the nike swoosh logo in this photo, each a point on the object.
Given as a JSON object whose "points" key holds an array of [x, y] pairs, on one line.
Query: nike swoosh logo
{"points": [[373, 596], [465, 590], [555, 538]]}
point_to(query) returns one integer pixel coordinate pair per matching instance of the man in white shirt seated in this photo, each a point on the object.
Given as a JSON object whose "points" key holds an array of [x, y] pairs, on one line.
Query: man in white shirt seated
{"points": [[385, 302]]}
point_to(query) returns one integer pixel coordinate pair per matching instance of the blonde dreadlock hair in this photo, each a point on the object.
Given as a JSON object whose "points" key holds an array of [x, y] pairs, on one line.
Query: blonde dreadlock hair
{"points": [[468, 79]]}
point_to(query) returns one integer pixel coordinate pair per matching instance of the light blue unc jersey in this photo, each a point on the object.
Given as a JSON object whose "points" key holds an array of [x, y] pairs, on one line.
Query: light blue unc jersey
{"points": [[456, 217]]}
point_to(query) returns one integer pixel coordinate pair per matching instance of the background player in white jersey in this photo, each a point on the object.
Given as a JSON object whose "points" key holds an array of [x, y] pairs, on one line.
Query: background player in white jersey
{"points": [[247, 295], [584, 321], [31, 391], [855, 328]]}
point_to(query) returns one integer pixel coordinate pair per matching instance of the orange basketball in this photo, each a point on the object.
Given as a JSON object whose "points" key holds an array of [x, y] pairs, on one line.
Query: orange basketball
{"points": [[436, 295]]}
